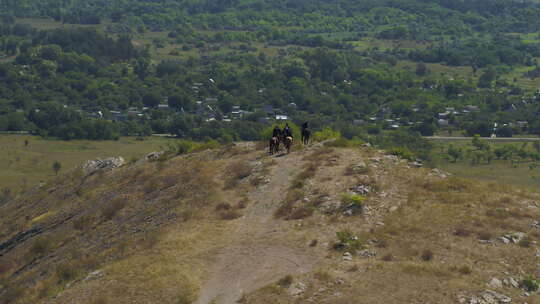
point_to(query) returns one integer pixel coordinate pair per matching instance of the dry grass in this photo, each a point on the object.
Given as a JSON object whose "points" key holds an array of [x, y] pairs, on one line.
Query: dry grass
{"points": [[83, 223], [111, 209], [287, 207], [285, 282], [236, 172]]}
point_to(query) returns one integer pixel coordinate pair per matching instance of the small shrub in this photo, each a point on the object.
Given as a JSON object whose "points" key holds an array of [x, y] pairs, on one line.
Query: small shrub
{"points": [[300, 213], [402, 152], [463, 232], [382, 244], [243, 203], [151, 186], [307, 173], [322, 276], [66, 273], [355, 169], [287, 206], [484, 235], [498, 213], [388, 258], [530, 284], [427, 255], [83, 223], [223, 206], [230, 215], [286, 281], [347, 241], [525, 243], [236, 172], [111, 209], [465, 270], [353, 202], [41, 246], [353, 268]]}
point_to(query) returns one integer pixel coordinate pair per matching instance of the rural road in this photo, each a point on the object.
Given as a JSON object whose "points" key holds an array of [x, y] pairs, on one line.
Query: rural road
{"points": [[502, 139]]}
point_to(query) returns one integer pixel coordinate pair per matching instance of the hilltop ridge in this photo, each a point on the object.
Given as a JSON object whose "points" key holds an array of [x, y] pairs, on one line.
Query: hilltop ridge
{"points": [[324, 224]]}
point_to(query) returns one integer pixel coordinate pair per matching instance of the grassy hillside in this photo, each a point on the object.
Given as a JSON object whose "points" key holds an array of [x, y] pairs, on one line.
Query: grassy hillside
{"points": [[322, 224]]}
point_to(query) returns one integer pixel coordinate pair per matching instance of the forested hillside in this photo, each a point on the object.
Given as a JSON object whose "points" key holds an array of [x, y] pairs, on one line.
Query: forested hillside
{"points": [[224, 69]]}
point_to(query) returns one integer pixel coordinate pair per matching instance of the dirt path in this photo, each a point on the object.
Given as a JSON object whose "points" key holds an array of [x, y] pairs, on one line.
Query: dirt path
{"points": [[258, 257]]}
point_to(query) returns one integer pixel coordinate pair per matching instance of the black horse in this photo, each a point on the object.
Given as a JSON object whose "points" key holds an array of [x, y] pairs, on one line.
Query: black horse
{"points": [[306, 134]]}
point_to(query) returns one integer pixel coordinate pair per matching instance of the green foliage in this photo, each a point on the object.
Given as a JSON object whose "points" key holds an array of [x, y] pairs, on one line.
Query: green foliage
{"points": [[352, 203], [266, 133], [404, 141], [480, 144], [402, 152], [454, 153], [182, 146], [354, 199], [530, 284], [343, 143], [326, 134], [347, 241]]}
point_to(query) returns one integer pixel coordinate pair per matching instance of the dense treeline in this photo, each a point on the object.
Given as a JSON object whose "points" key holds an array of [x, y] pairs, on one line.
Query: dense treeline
{"points": [[418, 17], [88, 78], [55, 86]]}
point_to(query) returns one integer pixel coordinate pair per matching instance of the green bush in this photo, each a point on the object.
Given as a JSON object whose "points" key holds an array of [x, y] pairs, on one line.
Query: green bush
{"points": [[402, 152], [530, 284], [347, 241], [352, 204], [326, 134]]}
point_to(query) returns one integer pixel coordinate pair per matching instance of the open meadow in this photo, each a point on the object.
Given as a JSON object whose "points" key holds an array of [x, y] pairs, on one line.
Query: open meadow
{"points": [[25, 166], [521, 173]]}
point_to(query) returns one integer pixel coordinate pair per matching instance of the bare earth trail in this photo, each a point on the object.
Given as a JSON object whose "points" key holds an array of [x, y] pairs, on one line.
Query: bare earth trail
{"points": [[258, 255]]}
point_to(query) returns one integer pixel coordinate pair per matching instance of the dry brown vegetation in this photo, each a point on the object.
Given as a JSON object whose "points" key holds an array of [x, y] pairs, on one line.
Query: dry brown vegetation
{"points": [[147, 232]]}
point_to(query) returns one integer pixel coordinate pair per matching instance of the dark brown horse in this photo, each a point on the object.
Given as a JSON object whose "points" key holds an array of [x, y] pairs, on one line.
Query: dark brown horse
{"points": [[306, 134], [274, 145], [287, 142]]}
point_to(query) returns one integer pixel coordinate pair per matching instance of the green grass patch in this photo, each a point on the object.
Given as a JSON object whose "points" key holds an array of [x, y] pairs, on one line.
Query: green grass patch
{"points": [[23, 166]]}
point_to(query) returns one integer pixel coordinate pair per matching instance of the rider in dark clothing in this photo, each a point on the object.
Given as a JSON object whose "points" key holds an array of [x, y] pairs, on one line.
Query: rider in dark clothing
{"points": [[276, 132], [287, 131]]}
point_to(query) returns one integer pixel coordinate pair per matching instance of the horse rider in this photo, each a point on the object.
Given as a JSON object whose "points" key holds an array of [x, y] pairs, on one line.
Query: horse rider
{"points": [[287, 131], [277, 132]]}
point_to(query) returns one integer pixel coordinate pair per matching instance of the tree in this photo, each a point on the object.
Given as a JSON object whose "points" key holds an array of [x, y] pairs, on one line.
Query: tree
{"points": [[181, 101], [421, 69], [151, 100], [56, 167], [479, 143], [487, 78], [536, 146], [454, 153]]}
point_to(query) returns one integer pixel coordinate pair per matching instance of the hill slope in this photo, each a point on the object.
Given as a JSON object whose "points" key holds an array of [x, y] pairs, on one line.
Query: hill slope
{"points": [[234, 224]]}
